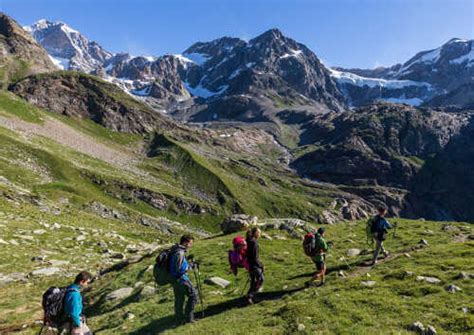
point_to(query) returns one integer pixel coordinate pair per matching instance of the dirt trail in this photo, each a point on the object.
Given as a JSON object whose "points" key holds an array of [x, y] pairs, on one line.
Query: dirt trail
{"points": [[74, 139], [365, 268]]}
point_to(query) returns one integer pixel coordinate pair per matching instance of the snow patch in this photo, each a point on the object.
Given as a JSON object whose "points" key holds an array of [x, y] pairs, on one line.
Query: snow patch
{"points": [[202, 92], [197, 58], [292, 53], [61, 63], [353, 79]]}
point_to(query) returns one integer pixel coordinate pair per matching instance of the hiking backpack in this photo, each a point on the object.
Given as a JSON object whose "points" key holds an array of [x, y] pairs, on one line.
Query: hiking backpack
{"points": [[53, 305], [161, 271], [373, 226], [309, 244], [238, 255]]}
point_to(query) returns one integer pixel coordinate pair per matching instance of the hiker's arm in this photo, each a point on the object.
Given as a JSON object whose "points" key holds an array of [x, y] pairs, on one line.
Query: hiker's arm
{"points": [[386, 224], [181, 265], [76, 308]]}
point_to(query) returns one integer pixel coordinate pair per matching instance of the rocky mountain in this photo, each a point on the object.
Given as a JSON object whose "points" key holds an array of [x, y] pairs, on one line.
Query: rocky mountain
{"points": [[224, 71], [426, 76], [380, 151], [69, 49], [88, 97], [20, 55]]}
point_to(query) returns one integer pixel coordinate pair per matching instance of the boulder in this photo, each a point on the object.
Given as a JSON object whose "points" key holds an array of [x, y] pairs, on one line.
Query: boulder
{"points": [[423, 242], [327, 217], [417, 326], [217, 282], [45, 271], [353, 252], [463, 275], [431, 280], [121, 293], [453, 288], [237, 223], [146, 292], [368, 283], [430, 330]]}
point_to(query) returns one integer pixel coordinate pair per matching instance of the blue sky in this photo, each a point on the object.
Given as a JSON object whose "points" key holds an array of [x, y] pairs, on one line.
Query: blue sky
{"points": [[350, 33]]}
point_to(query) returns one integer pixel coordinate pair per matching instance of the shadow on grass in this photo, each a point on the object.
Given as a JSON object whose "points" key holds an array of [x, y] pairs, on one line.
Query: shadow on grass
{"points": [[168, 322]]}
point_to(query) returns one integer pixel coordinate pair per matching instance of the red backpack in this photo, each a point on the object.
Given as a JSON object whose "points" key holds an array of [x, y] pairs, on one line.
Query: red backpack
{"points": [[238, 255], [309, 244]]}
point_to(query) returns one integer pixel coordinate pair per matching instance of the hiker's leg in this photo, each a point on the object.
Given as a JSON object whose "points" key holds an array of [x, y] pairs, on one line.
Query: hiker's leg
{"points": [[192, 300], [260, 280], [378, 245], [323, 272], [178, 300], [382, 248], [253, 283]]}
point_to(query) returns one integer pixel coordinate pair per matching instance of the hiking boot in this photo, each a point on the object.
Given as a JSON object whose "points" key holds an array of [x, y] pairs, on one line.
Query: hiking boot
{"points": [[321, 284], [374, 262], [309, 283], [249, 301], [386, 254]]}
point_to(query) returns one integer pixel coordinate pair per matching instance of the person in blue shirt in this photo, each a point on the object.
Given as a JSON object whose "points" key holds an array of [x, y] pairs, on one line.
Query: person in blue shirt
{"points": [[182, 286], [379, 227], [75, 321]]}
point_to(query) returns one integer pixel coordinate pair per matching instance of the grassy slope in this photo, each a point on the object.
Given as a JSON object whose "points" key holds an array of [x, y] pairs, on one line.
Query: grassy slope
{"points": [[341, 306]]}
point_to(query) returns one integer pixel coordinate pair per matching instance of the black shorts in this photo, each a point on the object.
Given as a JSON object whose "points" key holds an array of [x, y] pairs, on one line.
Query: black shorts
{"points": [[319, 265]]}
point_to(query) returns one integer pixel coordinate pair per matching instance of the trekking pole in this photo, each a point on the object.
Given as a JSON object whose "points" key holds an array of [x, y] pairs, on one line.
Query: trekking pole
{"points": [[395, 225], [245, 286], [197, 275]]}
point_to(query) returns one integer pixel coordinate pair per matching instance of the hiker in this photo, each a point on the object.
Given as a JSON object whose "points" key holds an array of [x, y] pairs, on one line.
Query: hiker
{"points": [[315, 246], [378, 226], [256, 268], [182, 286], [76, 322]]}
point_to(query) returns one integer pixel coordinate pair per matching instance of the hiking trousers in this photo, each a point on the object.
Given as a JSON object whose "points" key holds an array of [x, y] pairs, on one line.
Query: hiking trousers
{"points": [[183, 289], [378, 248], [68, 328], [256, 281]]}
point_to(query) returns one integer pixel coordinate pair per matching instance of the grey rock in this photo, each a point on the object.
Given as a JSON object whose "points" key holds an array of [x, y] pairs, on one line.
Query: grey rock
{"points": [[146, 292], [121, 293], [431, 280], [39, 258], [463, 275], [39, 231], [58, 263], [368, 283], [453, 288], [327, 217], [45, 271], [217, 281], [423, 242], [430, 330], [129, 316], [417, 326], [353, 252], [237, 223]]}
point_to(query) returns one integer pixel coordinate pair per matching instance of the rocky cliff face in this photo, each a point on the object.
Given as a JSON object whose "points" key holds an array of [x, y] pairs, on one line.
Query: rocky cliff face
{"points": [[379, 151], [20, 55], [87, 97]]}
